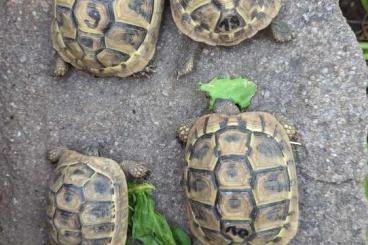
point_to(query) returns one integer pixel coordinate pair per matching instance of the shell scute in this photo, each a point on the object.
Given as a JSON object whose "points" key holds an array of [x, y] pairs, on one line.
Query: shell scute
{"points": [[272, 215], [97, 213], [66, 22], [110, 57], [203, 154], [57, 181], [90, 43], [271, 185], [74, 47], [235, 205], [232, 142], [238, 231], [233, 173], [100, 241], [266, 152], [70, 198], [263, 237], [51, 204], [92, 16], [206, 216], [99, 188], [201, 186], [97, 231], [66, 220], [213, 237], [78, 174], [70, 237]]}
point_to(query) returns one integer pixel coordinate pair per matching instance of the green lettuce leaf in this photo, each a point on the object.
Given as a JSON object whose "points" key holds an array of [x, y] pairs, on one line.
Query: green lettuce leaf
{"points": [[145, 224], [239, 90], [180, 237]]}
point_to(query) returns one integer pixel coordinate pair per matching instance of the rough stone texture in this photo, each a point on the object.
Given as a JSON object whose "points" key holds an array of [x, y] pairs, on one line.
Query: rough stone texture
{"points": [[318, 81]]}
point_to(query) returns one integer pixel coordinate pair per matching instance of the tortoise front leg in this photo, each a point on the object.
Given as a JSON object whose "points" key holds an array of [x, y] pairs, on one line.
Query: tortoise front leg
{"points": [[288, 126], [55, 153], [135, 169], [61, 67], [182, 132]]}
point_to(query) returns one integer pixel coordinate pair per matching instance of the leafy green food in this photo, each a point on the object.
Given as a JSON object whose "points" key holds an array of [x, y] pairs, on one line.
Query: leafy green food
{"points": [[146, 225], [180, 237], [239, 90], [364, 46], [365, 5]]}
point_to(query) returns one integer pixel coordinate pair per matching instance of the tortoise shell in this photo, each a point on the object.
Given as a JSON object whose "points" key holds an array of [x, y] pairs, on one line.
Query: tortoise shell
{"points": [[106, 37], [223, 22], [240, 180], [88, 201]]}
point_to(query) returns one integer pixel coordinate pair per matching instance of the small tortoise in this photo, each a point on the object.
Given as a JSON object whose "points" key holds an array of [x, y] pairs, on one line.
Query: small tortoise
{"points": [[225, 23], [106, 38], [240, 178], [88, 198]]}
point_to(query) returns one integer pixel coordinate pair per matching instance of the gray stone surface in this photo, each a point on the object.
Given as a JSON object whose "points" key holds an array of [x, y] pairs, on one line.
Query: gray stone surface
{"points": [[318, 81]]}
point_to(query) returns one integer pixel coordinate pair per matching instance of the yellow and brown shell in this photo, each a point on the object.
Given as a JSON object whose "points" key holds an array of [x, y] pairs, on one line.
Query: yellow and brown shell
{"points": [[106, 37], [88, 201], [240, 180], [223, 22]]}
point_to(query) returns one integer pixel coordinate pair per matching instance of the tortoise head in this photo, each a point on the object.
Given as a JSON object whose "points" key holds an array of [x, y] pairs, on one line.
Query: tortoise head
{"points": [[224, 106]]}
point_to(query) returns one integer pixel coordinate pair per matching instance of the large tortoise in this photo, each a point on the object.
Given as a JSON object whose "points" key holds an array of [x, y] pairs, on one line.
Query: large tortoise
{"points": [[240, 178], [88, 198], [225, 23], [105, 37]]}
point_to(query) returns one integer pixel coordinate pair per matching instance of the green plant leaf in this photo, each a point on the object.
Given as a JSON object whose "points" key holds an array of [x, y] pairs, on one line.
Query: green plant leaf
{"points": [[239, 90], [365, 5], [363, 45], [145, 224], [180, 237]]}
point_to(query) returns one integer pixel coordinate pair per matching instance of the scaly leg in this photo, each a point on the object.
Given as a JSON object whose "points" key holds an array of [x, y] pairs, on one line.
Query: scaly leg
{"points": [[135, 169], [187, 56], [281, 31], [61, 67]]}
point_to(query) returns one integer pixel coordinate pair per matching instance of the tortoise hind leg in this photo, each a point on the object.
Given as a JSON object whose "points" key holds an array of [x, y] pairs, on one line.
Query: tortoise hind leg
{"points": [[135, 169], [281, 31], [61, 67], [185, 63]]}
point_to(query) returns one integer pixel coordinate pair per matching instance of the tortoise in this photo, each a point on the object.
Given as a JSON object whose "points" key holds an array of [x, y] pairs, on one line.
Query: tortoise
{"points": [[240, 178], [105, 37], [88, 198], [225, 23]]}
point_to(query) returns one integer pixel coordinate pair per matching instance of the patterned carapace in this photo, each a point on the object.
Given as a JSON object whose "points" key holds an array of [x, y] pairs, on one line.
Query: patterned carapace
{"points": [[223, 22], [107, 37], [241, 180], [87, 201]]}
